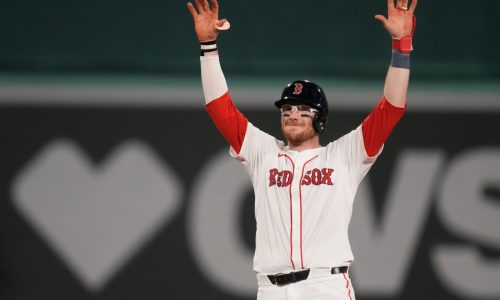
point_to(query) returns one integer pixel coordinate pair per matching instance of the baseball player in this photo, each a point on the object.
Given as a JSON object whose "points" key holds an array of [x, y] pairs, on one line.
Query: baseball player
{"points": [[304, 192]]}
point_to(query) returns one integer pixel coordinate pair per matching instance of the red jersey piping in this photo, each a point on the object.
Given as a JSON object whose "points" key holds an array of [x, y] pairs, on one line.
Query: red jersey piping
{"points": [[300, 193], [291, 212]]}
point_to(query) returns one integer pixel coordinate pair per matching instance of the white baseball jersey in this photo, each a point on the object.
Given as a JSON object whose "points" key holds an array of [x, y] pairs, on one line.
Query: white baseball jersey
{"points": [[303, 200]]}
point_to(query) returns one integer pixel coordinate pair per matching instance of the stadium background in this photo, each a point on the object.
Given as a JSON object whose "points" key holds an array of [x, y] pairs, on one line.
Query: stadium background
{"points": [[114, 184]]}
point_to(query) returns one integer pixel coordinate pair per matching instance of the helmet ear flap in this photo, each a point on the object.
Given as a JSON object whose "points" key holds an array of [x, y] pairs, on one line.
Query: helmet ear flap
{"points": [[319, 123]]}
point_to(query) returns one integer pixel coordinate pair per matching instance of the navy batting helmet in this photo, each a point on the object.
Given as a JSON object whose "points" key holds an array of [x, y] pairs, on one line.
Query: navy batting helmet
{"points": [[311, 94]]}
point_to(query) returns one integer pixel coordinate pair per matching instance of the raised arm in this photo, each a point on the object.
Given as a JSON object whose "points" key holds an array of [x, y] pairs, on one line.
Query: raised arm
{"points": [[231, 122], [400, 24], [377, 126]]}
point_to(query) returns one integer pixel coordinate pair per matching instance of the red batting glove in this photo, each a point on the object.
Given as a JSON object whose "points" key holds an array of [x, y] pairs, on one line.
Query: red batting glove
{"points": [[405, 45]]}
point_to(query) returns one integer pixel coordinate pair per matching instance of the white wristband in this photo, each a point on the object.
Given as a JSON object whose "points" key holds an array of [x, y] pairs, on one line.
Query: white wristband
{"points": [[208, 47]]}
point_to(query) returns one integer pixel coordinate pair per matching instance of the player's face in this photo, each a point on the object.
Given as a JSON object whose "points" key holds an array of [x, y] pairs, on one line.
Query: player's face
{"points": [[297, 123]]}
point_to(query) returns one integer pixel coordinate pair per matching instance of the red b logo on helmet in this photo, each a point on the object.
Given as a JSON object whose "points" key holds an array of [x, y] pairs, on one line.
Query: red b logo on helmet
{"points": [[298, 89]]}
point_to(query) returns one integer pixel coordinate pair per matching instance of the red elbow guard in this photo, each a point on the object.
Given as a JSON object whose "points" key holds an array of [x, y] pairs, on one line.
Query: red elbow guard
{"points": [[405, 45]]}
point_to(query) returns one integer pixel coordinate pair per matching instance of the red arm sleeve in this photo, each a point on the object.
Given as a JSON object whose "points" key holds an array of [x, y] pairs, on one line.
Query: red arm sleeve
{"points": [[229, 120], [379, 124]]}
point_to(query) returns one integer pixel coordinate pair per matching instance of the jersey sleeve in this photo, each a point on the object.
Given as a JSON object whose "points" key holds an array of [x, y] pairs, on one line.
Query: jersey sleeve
{"points": [[256, 145], [351, 149], [231, 123], [378, 125], [361, 147]]}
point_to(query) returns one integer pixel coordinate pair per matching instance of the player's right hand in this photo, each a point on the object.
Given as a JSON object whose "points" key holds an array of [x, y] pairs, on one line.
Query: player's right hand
{"points": [[206, 20]]}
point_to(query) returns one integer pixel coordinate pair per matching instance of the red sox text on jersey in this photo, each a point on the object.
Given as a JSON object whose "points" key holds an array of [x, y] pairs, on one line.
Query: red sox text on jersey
{"points": [[315, 176]]}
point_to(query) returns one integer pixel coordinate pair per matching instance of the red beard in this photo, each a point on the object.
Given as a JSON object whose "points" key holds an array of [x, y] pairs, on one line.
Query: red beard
{"points": [[296, 138]]}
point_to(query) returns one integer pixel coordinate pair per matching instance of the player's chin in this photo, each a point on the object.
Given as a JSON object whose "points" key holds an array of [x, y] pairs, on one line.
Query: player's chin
{"points": [[293, 134], [297, 134]]}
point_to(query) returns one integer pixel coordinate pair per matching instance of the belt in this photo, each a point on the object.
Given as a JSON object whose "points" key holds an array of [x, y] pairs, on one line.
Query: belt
{"points": [[281, 279]]}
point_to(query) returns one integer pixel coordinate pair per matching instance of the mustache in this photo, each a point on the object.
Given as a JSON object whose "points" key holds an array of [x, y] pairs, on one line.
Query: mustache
{"points": [[295, 121]]}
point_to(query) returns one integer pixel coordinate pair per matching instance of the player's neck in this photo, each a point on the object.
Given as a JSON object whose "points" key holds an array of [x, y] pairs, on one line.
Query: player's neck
{"points": [[312, 143]]}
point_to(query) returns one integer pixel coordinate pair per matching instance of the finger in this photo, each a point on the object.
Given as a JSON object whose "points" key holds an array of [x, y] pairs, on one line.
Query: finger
{"points": [[193, 11], [199, 5], [399, 4], [405, 4], [381, 18], [206, 7], [413, 6], [390, 4], [215, 7]]}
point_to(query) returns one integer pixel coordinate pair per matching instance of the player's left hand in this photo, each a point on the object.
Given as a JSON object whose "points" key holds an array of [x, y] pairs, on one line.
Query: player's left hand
{"points": [[399, 21]]}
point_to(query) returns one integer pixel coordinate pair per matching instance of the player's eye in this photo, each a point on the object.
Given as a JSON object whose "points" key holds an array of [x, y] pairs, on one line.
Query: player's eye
{"points": [[286, 108]]}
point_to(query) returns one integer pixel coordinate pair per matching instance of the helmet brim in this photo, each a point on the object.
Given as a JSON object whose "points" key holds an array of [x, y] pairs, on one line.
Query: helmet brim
{"points": [[286, 100]]}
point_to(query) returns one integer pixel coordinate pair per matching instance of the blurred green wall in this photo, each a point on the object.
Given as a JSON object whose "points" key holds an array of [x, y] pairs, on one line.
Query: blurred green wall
{"points": [[453, 40]]}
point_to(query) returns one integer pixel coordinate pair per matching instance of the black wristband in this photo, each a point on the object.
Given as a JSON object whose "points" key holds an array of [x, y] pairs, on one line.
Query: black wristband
{"points": [[209, 46], [400, 60], [208, 43], [202, 53]]}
